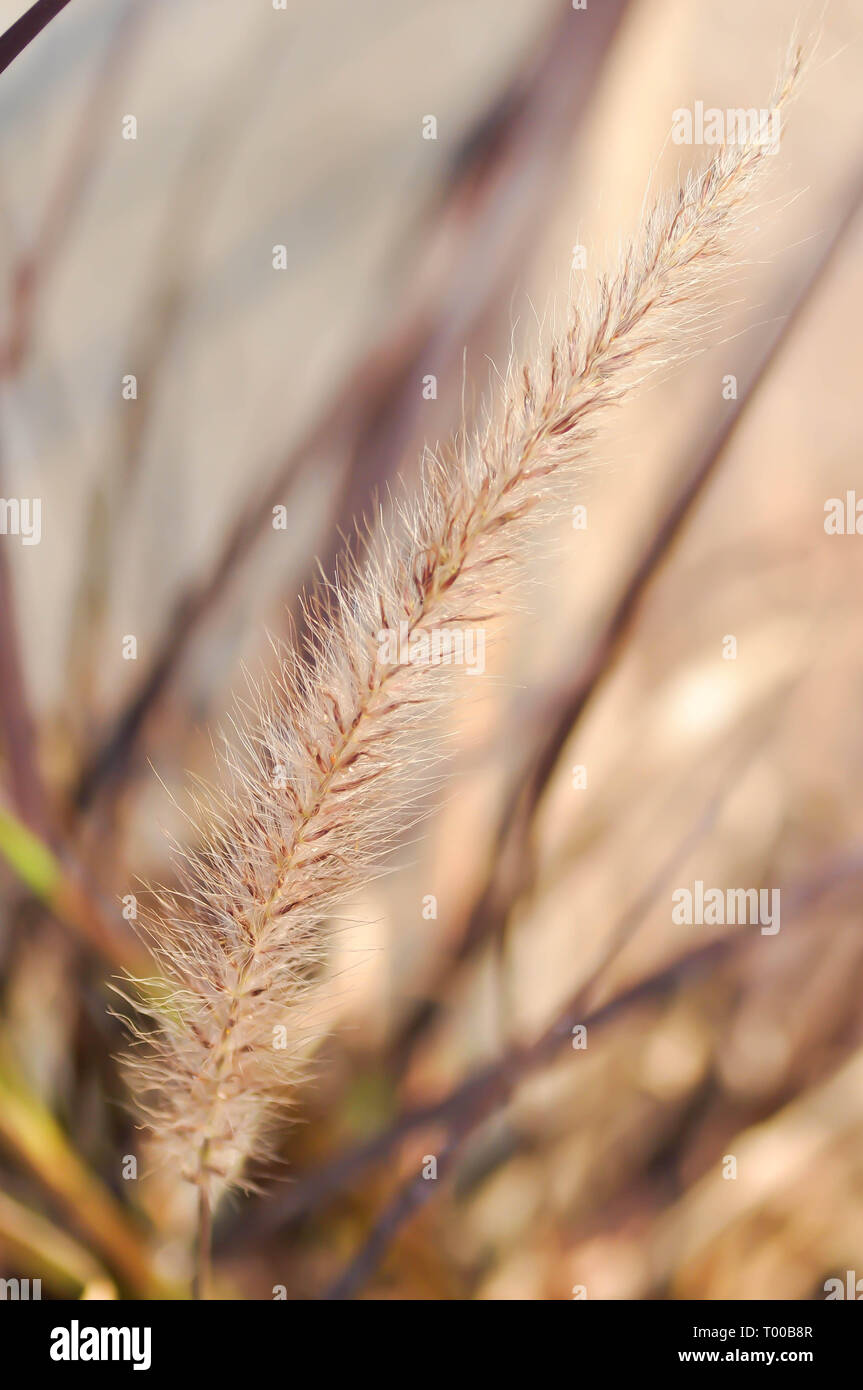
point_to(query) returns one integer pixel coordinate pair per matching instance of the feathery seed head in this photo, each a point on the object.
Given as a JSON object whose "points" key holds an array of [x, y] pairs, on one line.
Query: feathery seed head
{"points": [[331, 762]]}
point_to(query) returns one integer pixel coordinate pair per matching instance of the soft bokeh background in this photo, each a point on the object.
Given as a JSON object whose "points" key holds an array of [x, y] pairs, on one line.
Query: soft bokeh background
{"points": [[601, 1168]]}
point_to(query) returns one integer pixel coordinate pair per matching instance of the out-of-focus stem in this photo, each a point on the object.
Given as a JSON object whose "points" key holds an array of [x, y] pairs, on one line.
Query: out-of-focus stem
{"points": [[66, 897], [34, 1136], [46, 1253], [201, 1286]]}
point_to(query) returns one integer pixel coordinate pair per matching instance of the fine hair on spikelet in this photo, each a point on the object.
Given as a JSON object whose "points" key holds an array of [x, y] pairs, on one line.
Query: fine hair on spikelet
{"points": [[328, 762]]}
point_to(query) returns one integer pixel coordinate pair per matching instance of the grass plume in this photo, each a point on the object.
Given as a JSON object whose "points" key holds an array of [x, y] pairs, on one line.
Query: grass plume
{"points": [[326, 767]]}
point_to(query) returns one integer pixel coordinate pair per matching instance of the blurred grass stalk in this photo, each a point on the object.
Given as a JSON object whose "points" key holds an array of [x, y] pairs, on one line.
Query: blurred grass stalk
{"points": [[43, 1252], [64, 896], [33, 1135]]}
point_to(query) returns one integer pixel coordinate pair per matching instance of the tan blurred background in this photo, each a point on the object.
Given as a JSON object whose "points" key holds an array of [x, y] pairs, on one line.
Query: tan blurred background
{"points": [[303, 387]]}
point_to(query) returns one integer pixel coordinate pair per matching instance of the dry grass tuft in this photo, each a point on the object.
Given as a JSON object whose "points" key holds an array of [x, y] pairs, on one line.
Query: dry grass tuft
{"points": [[327, 767]]}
